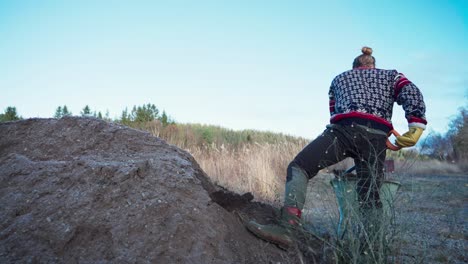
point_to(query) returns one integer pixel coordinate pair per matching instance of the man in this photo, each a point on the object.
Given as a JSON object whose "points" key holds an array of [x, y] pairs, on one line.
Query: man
{"points": [[361, 102]]}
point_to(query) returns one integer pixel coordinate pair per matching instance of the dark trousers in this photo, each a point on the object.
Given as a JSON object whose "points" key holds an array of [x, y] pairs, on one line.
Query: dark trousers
{"points": [[365, 145]]}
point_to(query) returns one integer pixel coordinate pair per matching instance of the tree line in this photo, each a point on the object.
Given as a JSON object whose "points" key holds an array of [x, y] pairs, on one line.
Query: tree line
{"points": [[10, 114], [188, 136], [137, 115], [451, 146]]}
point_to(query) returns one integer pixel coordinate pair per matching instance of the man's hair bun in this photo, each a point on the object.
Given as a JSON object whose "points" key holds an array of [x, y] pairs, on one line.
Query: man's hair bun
{"points": [[366, 51]]}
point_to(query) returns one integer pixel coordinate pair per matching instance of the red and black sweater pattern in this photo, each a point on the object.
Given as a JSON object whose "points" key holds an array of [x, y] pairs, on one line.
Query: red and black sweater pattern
{"points": [[369, 93]]}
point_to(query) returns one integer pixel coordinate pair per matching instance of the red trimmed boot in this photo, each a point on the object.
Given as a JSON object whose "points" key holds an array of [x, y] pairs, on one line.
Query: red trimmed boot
{"points": [[281, 234], [289, 222]]}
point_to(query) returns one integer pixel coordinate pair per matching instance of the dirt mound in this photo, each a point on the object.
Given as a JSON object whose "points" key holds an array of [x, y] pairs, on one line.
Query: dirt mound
{"points": [[84, 190]]}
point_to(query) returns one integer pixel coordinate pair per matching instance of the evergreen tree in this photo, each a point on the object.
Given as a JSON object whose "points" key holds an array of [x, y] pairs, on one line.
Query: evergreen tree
{"points": [[58, 112], [145, 113], [99, 115], [86, 111], [107, 115], [125, 118], [164, 119], [65, 111], [9, 115]]}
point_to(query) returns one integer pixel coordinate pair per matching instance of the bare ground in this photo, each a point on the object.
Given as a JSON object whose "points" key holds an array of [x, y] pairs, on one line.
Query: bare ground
{"points": [[431, 213]]}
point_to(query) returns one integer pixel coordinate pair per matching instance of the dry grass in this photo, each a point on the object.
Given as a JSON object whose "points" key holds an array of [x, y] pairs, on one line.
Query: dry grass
{"points": [[256, 162], [241, 161], [427, 167], [261, 170], [246, 165], [256, 168]]}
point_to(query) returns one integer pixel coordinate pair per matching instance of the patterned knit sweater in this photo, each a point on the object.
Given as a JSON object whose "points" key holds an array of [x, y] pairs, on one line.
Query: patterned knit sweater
{"points": [[368, 93]]}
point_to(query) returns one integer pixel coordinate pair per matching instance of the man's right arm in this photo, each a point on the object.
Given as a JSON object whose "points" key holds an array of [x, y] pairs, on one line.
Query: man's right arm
{"points": [[411, 99]]}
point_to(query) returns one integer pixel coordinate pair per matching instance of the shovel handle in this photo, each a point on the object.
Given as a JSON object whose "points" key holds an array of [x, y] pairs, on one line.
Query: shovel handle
{"points": [[390, 145]]}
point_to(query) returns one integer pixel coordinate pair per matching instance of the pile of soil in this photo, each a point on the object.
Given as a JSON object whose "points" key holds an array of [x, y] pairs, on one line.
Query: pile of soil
{"points": [[85, 190]]}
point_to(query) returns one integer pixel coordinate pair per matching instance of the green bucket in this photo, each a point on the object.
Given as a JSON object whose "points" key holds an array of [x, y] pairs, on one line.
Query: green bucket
{"points": [[348, 203]]}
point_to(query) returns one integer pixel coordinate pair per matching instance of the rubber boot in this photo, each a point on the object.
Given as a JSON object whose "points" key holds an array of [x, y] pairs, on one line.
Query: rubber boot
{"points": [[289, 222]]}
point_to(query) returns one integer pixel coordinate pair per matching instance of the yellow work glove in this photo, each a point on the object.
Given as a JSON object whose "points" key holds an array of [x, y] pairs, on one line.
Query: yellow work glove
{"points": [[409, 138]]}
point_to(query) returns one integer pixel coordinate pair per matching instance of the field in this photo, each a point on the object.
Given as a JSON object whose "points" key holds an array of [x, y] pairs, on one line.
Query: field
{"points": [[432, 218], [430, 208], [120, 175]]}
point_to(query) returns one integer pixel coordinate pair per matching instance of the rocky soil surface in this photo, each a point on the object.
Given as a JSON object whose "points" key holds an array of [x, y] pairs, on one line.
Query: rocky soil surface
{"points": [[82, 190]]}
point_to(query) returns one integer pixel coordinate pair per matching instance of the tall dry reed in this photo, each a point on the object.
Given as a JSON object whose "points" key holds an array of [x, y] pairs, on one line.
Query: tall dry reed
{"points": [[256, 168], [241, 161]]}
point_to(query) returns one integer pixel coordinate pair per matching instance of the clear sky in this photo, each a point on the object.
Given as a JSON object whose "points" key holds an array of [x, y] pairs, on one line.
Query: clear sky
{"points": [[264, 65]]}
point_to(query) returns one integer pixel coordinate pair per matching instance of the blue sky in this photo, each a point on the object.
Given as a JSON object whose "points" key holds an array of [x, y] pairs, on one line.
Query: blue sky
{"points": [[264, 65]]}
